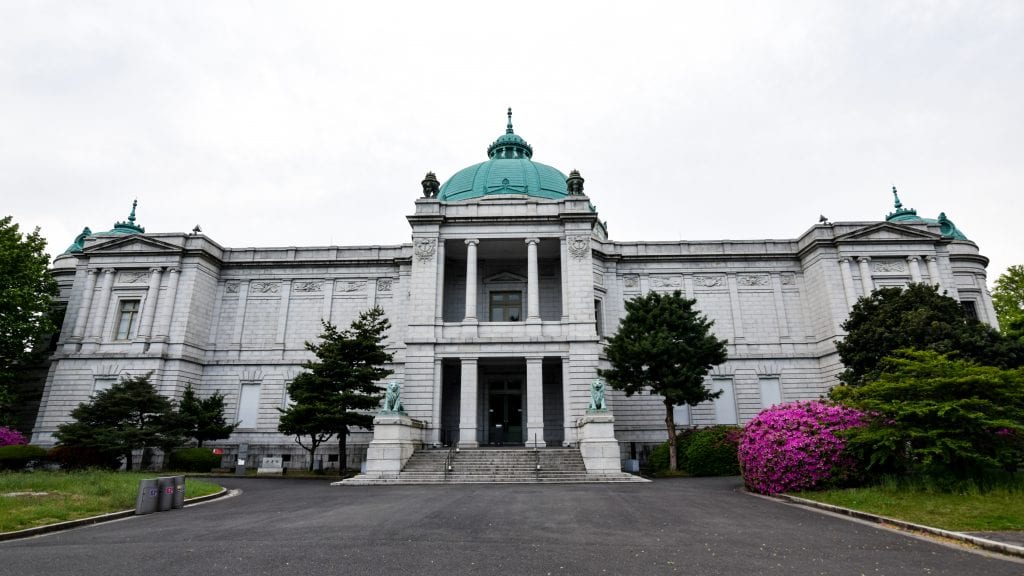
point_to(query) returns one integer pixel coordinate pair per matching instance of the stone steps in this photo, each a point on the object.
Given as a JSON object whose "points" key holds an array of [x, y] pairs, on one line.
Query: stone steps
{"points": [[497, 466]]}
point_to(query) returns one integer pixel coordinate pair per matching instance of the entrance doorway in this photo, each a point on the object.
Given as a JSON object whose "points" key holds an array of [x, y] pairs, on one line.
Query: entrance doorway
{"points": [[504, 416]]}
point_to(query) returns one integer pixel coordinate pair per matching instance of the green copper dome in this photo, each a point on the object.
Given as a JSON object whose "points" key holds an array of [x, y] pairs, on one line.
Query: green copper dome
{"points": [[510, 170], [901, 214]]}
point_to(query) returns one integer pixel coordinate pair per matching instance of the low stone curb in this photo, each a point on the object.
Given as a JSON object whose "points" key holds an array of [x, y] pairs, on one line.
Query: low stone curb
{"points": [[983, 543], [95, 519]]}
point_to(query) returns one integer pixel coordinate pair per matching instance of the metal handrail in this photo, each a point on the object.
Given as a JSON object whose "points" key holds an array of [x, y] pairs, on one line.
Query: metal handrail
{"points": [[449, 459], [536, 459]]}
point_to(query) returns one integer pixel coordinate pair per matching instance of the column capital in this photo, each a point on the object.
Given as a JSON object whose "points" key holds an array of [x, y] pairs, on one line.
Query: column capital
{"points": [[532, 241], [468, 359], [931, 258], [845, 259], [173, 269], [534, 359], [472, 241], [912, 259], [109, 270], [156, 269], [92, 271], [864, 259]]}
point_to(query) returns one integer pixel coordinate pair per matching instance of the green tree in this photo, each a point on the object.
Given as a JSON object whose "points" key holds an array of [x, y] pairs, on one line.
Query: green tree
{"points": [[939, 416], [1008, 299], [203, 418], [26, 292], [129, 415], [916, 317], [340, 388], [664, 346]]}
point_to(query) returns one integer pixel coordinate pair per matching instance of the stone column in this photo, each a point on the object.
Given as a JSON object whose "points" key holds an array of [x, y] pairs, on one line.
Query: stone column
{"points": [[532, 279], [535, 402], [100, 315], [563, 255], [83, 309], [915, 269], [848, 286], [933, 271], [166, 311], [146, 326], [467, 404], [435, 408], [282, 311], [471, 286], [865, 275]]}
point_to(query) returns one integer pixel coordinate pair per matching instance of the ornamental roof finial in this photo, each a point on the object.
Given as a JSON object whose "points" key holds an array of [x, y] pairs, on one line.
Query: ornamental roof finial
{"points": [[131, 217], [508, 127], [895, 195]]}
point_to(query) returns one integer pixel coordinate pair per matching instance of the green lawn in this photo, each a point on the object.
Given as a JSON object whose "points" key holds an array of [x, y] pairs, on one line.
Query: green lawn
{"points": [[29, 499], [967, 510]]}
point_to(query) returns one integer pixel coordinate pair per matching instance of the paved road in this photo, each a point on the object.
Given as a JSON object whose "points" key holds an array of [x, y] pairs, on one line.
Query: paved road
{"points": [[302, 527]]}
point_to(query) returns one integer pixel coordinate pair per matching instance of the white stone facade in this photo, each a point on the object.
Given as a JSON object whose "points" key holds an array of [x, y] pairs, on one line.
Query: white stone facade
{"points": [[498, 310]]}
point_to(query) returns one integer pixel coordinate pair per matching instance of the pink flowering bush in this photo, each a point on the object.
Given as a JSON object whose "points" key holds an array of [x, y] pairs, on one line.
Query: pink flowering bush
{"points": [[11, 437], [796, 446]]}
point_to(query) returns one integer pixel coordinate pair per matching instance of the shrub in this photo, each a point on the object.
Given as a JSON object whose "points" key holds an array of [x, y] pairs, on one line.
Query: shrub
{"points": [[194, 460], [713, 452], [657, 462], [938, 416], [80, 458], [796, 446], [11, 437], [17, 456]]}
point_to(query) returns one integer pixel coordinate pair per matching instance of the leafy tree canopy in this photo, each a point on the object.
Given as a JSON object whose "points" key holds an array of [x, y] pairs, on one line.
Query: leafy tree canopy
{"points": [[664, 346], [938, 415], [26, 290], [916, 317], [203, 418], [340, 387], [1008, 299], [129, 415]]}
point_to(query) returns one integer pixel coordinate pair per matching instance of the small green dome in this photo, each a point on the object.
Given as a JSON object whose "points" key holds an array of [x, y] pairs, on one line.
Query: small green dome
{"points": [[510, 170], [129, 226]]}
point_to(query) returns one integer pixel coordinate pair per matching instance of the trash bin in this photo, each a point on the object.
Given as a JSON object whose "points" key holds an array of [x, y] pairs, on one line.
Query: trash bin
{"points": [[166, 486], [179, 492], [149, 495]]}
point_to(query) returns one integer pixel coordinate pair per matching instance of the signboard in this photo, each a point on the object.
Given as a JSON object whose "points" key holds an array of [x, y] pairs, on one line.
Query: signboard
{"points": [[218, 451]]}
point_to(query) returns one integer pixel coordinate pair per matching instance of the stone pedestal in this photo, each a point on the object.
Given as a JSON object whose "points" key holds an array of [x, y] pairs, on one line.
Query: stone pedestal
{"points": [[395, 438], [598, 446]]}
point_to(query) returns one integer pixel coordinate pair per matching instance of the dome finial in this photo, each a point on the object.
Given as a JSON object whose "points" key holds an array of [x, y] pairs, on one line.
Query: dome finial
{"points": [[895, 195], [131, 217], [508, 127]]}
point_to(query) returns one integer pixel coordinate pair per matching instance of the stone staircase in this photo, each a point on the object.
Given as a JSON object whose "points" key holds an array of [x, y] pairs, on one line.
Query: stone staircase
{"points": [[497, 466]]}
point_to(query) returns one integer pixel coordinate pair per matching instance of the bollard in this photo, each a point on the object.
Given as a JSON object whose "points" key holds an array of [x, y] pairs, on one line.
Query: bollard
{"points": [[166, 498], [149, 493], [179, 492]]}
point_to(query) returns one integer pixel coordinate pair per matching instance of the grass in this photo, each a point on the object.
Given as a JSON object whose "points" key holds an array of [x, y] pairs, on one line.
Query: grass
{"points": [[30, 499], [966, 508]]}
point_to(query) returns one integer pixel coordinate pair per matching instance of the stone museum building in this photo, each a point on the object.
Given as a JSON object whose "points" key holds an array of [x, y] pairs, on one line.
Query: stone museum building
{"points": [[499, 307]]}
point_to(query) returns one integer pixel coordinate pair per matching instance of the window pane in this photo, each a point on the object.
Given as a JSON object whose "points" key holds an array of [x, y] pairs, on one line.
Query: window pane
{"points": [[771, 393], [248, 405], [127, 319], [506, 306], [725, 405]]}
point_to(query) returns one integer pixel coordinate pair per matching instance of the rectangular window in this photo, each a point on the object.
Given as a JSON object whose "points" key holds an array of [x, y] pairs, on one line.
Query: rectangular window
{"points": [[127, 320], [506, 306], [681, 414], [248, 405], [599, 316], [725, 405], [970, 309], [771, 392]]}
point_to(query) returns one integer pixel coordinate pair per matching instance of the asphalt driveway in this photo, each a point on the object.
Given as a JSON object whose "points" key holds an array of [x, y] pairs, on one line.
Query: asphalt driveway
{"points": [[303, 527]]}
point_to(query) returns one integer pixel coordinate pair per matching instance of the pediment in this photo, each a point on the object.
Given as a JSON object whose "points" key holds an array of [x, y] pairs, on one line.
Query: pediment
{"points": [[504, 277], [888, 232], [135, 243]]}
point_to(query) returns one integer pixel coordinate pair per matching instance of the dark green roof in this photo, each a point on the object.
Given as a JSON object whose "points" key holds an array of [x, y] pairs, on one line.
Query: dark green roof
{"points": [[509, 170], [901, 214]]}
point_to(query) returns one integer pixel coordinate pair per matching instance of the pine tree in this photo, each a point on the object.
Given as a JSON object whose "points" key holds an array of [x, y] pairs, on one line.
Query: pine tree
{"points": [[664, 346], [203, 418]]}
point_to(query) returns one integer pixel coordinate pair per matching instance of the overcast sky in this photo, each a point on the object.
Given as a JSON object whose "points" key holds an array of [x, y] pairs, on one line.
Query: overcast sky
{"points": [[312, 123]]}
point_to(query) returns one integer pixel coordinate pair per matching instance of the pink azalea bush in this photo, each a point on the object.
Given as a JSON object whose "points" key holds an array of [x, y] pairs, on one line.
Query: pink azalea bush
{"points": [[10, 437], [792, 447]]}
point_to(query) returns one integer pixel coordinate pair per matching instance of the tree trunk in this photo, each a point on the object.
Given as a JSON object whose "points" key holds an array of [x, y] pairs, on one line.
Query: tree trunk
{"points": [[670, 423], [343, 451]]}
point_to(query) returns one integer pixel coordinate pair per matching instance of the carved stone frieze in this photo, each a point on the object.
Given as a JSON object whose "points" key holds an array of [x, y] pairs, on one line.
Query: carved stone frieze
{"points": [[631, 282], [709, 281], [579, 246], [598, 279], [752, 280], [350, 286], [884, 266], [231, 287], [788, 279], [666, 282], [425, 248], [384, 284], [264, 287], [308, 285], [132, 276]]}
